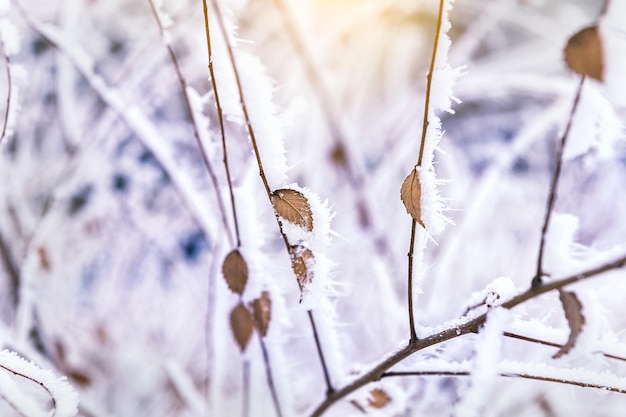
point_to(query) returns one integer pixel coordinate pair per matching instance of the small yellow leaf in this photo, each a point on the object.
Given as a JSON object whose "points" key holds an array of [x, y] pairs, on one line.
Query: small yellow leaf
{"points": [[574, 314], [301, 260], [235, 271], [583, 53], [293, 206], [378, 398], [411, 195], [262, 309], [242, 325]]}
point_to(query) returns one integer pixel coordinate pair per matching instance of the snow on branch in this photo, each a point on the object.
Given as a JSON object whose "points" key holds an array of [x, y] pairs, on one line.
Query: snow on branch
{"points": [[63, 397]]}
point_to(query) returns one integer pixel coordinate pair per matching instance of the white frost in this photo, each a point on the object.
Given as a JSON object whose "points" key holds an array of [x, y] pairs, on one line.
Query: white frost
{"points": [[9, 37], [560, 246], [595, 125], [484, 371], [64, 396], [613, 37]]}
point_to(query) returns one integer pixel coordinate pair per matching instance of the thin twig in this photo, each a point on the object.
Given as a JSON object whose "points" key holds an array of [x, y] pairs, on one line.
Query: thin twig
{"points": [[7, 62], [253, 140], [556, 345], [245, 407], [196, 131], [538, 278], [270, 380], [13, 272], [413, 338], [320, 354], [41, 384], [429, 81], [471, 326], [525, 375]]}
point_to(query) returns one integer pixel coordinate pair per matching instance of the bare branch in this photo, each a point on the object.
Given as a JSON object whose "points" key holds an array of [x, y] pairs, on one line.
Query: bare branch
{"points": [[537, 280]]}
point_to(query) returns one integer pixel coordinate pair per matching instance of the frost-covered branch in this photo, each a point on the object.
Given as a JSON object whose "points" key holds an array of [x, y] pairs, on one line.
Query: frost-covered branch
{"points": [[62, 396], [10, 45], [606, 381], [554, 344], [457, 329]]}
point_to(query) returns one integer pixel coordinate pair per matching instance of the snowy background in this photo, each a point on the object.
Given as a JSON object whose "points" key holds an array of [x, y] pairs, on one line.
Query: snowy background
{"points": [[112, 240]]}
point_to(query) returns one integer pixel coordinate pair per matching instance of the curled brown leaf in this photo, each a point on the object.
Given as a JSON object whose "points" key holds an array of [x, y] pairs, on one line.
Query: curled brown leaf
{"points": [[301, 260], [411, 195], [262, 309], [293, 206], [573, 309]]}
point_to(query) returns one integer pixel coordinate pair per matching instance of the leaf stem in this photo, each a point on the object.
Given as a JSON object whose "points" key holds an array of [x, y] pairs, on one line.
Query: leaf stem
{"points": [[538, 278]]}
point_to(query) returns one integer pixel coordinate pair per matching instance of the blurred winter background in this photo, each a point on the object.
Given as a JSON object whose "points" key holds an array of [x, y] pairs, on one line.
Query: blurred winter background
{"points": [[111, 240]]}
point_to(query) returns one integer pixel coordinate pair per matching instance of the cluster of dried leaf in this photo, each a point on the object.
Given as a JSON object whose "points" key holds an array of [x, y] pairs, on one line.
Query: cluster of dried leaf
{"points": [[290, 206], [257, 314], [293, 207]]}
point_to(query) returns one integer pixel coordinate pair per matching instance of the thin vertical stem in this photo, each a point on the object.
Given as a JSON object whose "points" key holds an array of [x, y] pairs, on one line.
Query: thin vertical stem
{"points": [[194, 123], [329, 387], [245, 406], [554, 184], [410, 284], [7, 61], [270, 380], [429, 81], [220, 117]]}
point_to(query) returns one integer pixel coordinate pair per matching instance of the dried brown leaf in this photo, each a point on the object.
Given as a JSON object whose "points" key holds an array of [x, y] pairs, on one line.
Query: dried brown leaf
{"points": [[301, 260], [338, 155], [411, 195], [262, 309], [575, 319], [583, 53], [235, 271], [242, 325], [79, 377], [293, 206], [44, 259], [378, 398]]}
